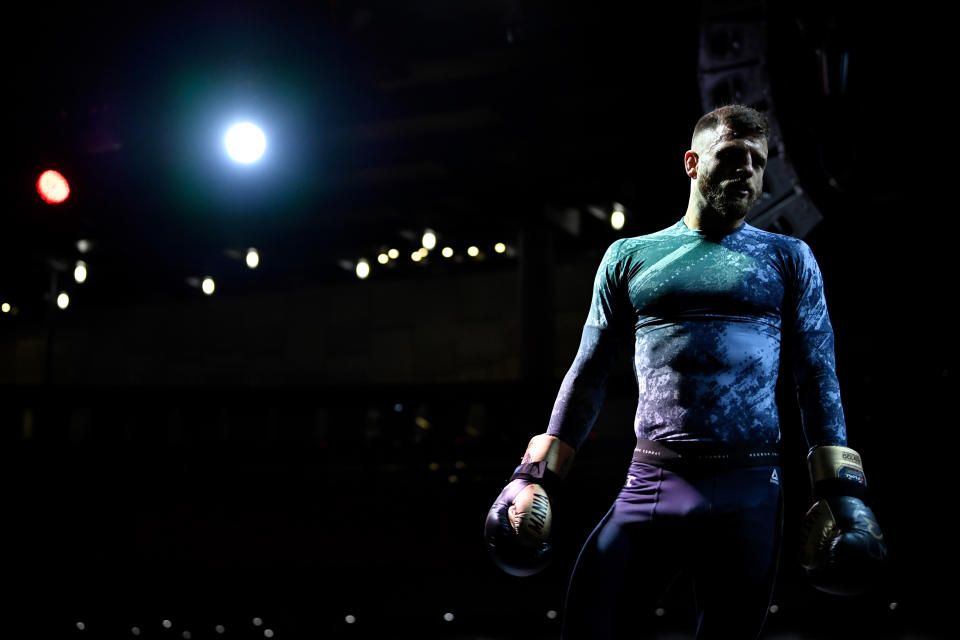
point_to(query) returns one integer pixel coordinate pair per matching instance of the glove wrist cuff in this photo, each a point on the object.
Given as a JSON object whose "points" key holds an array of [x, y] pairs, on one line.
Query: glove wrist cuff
{"points": [[537, 473], [836, 470]]}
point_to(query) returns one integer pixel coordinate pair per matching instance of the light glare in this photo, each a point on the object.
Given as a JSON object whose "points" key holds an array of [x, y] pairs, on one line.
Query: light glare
{"points": [[207, 286], [383, 258], [617, 219], [53, 187], [447, 252], [253, 258], [393, 254], [429, 240], [80, 271], [473, 252], [245, 142], [363, 269], [5, 307], [499, 247], [63, 300]]}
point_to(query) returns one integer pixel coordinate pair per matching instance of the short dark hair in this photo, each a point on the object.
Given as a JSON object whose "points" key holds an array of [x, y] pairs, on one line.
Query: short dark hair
{"points": [[742, 119]]}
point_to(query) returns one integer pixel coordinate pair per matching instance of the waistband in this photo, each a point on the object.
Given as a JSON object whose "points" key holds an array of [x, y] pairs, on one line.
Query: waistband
{"points": [[706, 455]]}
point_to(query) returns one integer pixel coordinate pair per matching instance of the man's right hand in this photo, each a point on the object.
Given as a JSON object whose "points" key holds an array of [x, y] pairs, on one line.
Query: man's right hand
{"points": [[517, 529]]}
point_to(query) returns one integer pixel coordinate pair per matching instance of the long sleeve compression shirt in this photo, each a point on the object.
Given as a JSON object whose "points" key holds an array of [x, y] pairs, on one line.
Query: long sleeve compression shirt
{"points": [[706, 315]]}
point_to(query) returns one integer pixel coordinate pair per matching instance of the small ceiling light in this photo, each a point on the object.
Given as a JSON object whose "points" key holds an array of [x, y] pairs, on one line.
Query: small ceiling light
{"points": [[393, 254], [207, 286], [363, 268], [473, 252], [253, 258], [80, 271], [416, 256], [5, 307], [383, 258], [429, 240], [63, 300], [500, 247], [617, 219], [447, 252]]}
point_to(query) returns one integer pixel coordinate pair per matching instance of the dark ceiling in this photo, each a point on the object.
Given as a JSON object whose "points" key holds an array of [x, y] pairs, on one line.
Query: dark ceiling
{"points": [[471, 117]]}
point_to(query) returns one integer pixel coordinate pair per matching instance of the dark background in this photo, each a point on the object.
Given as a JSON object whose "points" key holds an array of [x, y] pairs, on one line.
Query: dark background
{"points": [[303, 445]]}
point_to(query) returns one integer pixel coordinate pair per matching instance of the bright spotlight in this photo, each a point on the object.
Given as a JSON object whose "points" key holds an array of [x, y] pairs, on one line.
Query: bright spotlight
{"points": [[350, 619], [429, 240], [80, 271], [393, 254], [416, 256], [473, 252], [383, 258], [207, 286], [253, 258], [617, 219], [245, 142], [63, 300], [5, 307], [500, 247], [447, 252], [448, 617], [53, 187], [363, 269]]}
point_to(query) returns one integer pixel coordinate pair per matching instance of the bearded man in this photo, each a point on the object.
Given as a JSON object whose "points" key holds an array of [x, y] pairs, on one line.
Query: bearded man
{"points": [[706, 304]]}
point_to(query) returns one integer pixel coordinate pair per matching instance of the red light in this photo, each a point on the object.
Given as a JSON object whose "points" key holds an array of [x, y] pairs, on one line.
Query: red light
{"points": [[53, 187]]}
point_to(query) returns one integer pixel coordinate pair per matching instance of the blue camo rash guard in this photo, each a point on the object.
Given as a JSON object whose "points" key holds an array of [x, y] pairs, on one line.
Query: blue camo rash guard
{"points": [[707, 315]]}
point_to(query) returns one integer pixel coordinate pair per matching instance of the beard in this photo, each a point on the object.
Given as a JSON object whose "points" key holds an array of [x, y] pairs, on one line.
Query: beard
{"points": [[727, 205]]}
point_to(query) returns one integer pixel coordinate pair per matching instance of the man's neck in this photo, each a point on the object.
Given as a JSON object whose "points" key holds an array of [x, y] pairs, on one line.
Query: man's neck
{"points": [[709, 221]]}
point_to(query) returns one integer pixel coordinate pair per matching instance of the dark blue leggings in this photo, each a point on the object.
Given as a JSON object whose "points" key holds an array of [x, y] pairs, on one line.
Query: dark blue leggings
{"points": [[723, 527]]}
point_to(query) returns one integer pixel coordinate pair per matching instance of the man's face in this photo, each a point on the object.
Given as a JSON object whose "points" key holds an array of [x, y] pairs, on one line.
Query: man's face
{"points": [[730, 172]]}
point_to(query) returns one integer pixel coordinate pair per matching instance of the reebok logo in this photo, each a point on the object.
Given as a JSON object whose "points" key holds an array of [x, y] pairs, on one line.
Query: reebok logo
{"points": [[774, 477]]}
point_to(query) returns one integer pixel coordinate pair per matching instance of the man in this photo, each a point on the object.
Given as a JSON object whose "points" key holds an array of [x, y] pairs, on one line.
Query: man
{"points": [[706, 304]]}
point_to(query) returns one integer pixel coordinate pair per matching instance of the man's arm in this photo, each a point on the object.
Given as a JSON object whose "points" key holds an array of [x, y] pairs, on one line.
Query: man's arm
{"points": [[842, 547], [813, 357], [584, 387], [517, 528]]}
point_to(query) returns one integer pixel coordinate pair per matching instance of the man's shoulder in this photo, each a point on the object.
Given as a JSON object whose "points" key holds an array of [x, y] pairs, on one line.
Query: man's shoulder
{"points": [[787, 244], [626, 246]]}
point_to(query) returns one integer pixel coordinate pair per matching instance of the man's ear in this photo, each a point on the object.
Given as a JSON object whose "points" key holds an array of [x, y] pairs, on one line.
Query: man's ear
{"points": [[690, 162]]}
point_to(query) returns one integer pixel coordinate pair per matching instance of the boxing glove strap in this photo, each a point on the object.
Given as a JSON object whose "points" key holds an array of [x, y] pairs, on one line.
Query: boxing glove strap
{"points": [[705, 455], [836, 471], [537, 473]]}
